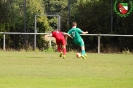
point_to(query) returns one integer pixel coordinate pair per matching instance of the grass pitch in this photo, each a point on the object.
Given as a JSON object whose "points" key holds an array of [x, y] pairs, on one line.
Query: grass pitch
{"points": [[47, 70]]}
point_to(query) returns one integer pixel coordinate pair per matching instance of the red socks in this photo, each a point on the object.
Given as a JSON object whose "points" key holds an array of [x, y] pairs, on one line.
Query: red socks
{"points": [[64, 51], [59, 49]]}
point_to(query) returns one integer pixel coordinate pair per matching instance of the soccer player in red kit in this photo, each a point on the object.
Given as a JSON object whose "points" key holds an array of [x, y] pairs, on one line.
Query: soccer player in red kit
{"points": [[61, 42]]}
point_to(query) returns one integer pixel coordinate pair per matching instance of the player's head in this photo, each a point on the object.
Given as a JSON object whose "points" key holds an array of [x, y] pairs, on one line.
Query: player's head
{"points": [[74, 24], [54, 30]]}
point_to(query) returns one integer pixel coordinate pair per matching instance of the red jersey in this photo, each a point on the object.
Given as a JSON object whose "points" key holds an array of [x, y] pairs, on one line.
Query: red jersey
{"points": [[59, 37]]}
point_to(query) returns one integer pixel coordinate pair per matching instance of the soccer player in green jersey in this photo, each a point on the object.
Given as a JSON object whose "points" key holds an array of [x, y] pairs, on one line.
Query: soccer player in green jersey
{"points": [[77, 39]]}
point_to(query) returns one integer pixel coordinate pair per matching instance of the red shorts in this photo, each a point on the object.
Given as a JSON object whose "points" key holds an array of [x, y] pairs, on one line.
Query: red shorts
{"points": [[61, 41]]}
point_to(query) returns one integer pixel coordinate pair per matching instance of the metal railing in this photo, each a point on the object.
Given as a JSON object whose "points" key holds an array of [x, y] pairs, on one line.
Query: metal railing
{"points": [[16, 33], [98, 35]]}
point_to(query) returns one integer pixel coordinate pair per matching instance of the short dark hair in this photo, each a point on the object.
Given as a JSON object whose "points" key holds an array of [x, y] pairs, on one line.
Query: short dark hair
{"points": [[52, 31], [74, 24]]}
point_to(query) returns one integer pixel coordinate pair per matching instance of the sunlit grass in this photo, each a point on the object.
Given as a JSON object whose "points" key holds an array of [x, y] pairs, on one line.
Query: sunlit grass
{"points": [[47, 70]]}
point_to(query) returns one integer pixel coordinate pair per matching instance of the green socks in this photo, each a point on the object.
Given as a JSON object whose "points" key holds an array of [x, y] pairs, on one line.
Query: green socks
{"points": [[82, 52]]}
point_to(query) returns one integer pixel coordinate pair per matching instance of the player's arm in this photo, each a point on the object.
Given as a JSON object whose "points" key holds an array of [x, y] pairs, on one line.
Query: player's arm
{"points": [[66, 39], [67, 35], [49, 35], [84, 32]]}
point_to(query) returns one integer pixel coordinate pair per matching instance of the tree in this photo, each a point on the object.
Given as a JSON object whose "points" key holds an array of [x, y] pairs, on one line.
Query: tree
{"points": [[15, 21], [55, 7], [95, 17]]}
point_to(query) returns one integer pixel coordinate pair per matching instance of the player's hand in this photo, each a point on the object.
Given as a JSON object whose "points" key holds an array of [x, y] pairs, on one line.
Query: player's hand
{"points": [[86, 32]]}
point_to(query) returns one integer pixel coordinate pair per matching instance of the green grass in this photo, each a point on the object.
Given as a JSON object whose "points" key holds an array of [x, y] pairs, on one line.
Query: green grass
{"points": [[47, 70]]}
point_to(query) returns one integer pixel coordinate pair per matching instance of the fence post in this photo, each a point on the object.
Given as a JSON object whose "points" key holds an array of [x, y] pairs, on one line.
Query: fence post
{"points": [[35, 31], [59, 23], [98, 43], [50, 42], [4, 41]]}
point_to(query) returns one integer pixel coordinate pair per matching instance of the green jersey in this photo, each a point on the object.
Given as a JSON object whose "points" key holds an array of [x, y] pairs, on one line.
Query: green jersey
{"points": [[75, 33]]}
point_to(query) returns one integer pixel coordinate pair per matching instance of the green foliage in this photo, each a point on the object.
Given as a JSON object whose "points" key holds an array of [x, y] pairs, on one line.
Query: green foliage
{"points": [[56, 7], [93, 16], [14, 17]]}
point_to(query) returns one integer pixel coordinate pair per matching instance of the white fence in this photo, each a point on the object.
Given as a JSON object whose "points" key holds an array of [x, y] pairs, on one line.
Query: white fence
{"points": [[16, 33], [98, 35]]}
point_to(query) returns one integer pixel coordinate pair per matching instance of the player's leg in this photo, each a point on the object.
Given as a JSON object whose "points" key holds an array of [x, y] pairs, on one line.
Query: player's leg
{"points": [[59, 47], [63, 42], [64, 51], [82, 45], [83, 53], [83, 50], [60, 50]]}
